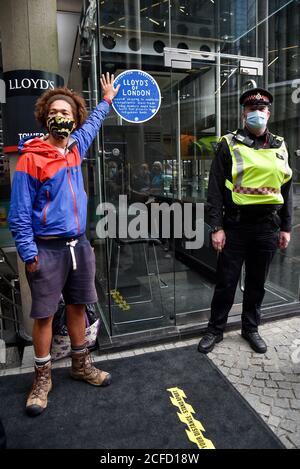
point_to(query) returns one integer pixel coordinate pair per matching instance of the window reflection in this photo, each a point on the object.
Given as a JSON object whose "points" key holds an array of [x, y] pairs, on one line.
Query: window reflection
{"points": [[168, 158]]}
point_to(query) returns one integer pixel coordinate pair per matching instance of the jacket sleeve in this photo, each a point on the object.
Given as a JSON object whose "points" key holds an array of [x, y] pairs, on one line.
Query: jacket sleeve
{"points": [[216, 184], [23, 194], [286, 210], [87, 133]]}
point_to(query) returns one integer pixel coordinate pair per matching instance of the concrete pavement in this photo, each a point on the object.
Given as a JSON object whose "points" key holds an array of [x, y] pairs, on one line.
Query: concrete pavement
{"points": [[270, 382]]}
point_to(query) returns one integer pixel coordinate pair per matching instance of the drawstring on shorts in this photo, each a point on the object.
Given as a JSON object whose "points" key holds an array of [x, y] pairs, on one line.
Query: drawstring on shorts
{"points": [[72, 245]]}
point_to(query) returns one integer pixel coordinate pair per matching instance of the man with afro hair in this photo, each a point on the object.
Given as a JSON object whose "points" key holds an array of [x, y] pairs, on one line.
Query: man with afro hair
{"points": [[47, 219]]}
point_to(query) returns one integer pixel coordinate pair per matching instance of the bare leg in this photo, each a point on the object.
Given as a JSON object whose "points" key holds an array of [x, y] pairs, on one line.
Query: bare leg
{"points": [[76, 324], [42, 336]]}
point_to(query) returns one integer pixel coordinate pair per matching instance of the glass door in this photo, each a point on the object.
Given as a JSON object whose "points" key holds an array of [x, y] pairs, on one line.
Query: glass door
{"points": [[92, 169], [195, 135], [205, 105], [140, 281], [205, 92]]}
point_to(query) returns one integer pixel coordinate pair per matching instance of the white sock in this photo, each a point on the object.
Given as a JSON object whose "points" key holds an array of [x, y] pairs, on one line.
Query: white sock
{"points": [[78, 348], [42, 361]]}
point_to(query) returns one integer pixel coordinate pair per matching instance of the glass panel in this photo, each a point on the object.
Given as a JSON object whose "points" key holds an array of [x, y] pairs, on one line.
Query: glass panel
{"points": [[195, 111], [215, 19], [5, 235], [283, 282], [284, 83], [92, 169], [141, 161], [277, 5], [198, 96], [6, 239], [136, 166]]}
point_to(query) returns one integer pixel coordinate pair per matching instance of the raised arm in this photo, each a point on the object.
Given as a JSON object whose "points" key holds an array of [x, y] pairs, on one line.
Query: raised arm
{"points": [[87, 133]]}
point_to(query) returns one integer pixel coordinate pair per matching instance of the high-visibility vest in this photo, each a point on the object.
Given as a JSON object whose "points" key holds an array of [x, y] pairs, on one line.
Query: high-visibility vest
{"points": [[257, 175]]}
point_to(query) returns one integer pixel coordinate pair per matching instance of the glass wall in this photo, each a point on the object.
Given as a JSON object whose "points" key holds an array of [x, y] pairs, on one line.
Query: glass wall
{"points": [[5, 236], [146, 285], [283, 80], [132, 35]]}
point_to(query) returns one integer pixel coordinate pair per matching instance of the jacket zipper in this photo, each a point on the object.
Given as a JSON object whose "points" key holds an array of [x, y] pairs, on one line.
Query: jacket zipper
{"points": [[74, 199], [44, 219]]}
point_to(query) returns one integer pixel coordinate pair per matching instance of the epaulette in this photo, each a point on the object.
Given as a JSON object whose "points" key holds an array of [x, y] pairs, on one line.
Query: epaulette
{"points": [[242, 139]]}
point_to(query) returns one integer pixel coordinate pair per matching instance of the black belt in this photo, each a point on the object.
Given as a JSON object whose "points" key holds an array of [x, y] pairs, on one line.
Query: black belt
{"points": [[58, 240], [246, 217]]}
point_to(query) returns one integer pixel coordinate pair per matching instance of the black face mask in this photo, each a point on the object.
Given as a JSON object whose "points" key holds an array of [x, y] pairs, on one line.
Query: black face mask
{"points": [[60, 127]]}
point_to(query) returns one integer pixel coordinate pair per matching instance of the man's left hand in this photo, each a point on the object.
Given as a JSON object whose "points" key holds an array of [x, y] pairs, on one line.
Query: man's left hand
{"points": [[284, 239], [107, 84]]}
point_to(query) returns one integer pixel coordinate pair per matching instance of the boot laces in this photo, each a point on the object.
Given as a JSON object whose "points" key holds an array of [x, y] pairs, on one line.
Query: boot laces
{"points": [[90, 369], [40, 383]]}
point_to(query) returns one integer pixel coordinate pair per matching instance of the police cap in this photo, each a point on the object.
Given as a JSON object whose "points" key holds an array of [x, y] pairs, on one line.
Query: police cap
{"points": [[256, 96]]}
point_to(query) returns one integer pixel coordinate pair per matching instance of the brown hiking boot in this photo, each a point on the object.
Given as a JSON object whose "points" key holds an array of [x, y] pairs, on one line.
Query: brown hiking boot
{"points": [[83, 369], [42, 384]]}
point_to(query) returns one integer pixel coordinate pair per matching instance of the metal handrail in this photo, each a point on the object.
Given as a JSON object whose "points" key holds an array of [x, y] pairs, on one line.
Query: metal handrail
{"points": [[14, 306], [2, 277], [3, 297], [16, 321], [8, 262]]}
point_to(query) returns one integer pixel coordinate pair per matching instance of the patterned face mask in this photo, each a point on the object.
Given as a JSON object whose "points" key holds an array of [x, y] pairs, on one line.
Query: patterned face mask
{"points": [[60, 127]]}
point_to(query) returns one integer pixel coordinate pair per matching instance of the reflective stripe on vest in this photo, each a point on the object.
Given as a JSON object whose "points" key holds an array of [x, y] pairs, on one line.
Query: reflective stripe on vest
{"points": [[257, 175]]}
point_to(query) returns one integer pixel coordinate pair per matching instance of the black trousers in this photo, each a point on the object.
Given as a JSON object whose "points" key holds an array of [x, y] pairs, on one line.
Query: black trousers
{"points": [[2, 437], [255, 245]]}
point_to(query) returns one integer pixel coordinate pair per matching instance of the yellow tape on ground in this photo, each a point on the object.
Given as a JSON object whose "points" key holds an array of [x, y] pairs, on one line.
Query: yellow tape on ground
{"points": [[185, 414], [119, 300]]}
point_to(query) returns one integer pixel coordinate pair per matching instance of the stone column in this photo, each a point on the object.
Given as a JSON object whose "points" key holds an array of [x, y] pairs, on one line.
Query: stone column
{"points": [[29, 42]]}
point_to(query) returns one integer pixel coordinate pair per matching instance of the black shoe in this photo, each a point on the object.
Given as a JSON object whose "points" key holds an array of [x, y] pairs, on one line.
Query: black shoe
{"points": [[255, 341], [208, 342]]}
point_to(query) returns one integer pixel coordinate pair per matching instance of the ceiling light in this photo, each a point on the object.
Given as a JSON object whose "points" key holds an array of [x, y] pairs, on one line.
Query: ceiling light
{"points": [[276, 58], [153, 21]]}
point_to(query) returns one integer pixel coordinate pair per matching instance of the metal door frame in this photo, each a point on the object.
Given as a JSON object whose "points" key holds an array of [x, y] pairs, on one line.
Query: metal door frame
{"points": [[182, 59]]}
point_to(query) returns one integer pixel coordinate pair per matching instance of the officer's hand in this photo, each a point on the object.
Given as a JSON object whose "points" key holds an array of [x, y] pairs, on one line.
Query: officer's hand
{"points": [[33, 266], [284, 239], [107, 84], [218, 240]]}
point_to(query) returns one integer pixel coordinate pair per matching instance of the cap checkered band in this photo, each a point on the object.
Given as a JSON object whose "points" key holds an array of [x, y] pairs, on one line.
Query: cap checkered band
{"points": [[255, 191], [257, 97]]}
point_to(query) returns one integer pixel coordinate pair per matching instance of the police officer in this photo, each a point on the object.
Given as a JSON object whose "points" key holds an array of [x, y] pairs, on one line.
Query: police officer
{"points": [[250, 208]]}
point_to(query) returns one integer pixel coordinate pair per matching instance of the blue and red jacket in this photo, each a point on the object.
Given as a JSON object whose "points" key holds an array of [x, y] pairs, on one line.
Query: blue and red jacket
{"points": [[48, 196]]}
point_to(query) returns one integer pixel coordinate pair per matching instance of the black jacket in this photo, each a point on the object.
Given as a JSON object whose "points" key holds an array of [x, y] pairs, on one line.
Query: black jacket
{"points": [[219, 200]]}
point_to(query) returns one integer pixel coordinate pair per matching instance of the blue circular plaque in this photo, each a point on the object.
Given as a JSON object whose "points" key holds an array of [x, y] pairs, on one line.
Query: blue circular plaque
{"points": [[139, 98]]}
